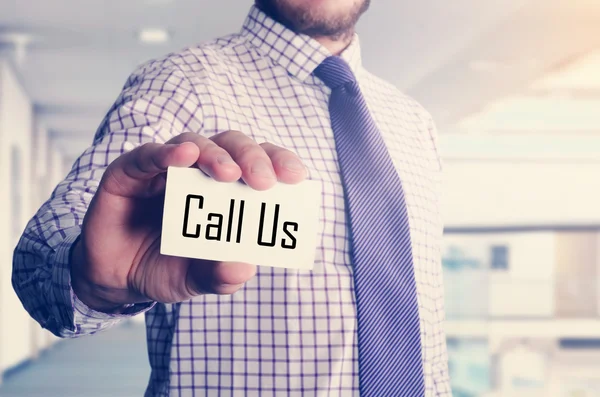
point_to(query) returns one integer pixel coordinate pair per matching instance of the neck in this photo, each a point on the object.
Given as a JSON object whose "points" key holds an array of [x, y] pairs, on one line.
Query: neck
{"points": [[335, 45]]}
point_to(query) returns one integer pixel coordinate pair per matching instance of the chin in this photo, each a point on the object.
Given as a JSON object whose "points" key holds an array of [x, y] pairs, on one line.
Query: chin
{"points": [[317, 18]]}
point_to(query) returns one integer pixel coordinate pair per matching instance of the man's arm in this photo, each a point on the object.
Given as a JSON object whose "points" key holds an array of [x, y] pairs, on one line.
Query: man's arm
{"points": [[441, 376], [156, 104]]}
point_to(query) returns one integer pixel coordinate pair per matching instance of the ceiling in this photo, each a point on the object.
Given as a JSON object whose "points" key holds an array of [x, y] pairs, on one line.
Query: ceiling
{"points": [[454, 57]]}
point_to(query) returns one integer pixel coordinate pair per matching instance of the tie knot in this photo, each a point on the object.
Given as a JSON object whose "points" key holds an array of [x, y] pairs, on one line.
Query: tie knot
{"points": [[334, 72]]}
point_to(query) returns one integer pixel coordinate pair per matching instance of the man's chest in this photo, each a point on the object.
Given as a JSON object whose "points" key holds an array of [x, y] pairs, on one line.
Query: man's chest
{"points": [[296, 116]]}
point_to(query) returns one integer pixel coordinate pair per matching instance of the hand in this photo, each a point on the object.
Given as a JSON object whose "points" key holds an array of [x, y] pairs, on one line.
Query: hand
{"points": [[117, 259]]}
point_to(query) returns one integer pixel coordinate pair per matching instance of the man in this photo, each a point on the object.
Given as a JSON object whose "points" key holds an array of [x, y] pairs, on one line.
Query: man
{"points": [[284, 99]]}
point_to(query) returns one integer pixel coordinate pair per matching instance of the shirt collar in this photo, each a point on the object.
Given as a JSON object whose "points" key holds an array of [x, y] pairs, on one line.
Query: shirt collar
{"points": [[299, 54]]}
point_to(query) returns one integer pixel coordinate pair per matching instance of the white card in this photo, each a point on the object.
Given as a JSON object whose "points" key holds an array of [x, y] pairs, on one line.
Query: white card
{"points": [[219, 221]]}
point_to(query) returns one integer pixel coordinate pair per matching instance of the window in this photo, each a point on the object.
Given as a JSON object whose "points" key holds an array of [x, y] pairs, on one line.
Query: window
{"points": [[499, 257]]}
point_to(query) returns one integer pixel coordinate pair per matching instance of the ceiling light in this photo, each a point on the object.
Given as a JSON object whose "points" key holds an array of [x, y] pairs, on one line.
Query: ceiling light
{"points": [[154, 36], [18, 41]]}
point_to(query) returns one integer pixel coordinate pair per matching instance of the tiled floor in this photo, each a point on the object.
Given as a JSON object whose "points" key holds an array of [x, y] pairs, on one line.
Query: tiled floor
{"points": [[109, 364]]}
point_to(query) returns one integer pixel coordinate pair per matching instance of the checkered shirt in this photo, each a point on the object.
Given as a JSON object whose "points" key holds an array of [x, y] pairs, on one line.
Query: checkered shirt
{"points": [[287, 332]]}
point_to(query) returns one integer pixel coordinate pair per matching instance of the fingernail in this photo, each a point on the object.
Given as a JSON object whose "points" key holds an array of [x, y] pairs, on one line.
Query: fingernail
{"points": [[293, 165], [261, 168], [226, 285], [224, 160]]}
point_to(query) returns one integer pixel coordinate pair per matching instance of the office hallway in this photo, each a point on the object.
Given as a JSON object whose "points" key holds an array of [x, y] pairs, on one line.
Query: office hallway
{"points": [[109, 364]]}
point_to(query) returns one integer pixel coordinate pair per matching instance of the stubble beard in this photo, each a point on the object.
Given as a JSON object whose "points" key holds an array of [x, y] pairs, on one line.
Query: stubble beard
{"points": [[311, 22]]}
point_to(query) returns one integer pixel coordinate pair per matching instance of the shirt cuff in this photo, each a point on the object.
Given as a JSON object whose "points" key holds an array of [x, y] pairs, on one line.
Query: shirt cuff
{"points": [[74, 315]]}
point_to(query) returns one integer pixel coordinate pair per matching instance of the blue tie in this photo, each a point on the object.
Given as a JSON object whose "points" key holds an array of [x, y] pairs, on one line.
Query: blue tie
{"points": [[389, 340]]}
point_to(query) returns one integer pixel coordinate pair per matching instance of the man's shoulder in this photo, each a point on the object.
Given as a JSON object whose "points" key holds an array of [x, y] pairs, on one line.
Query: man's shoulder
{"points": [[406, 107], [195, 58], [397, 97]]}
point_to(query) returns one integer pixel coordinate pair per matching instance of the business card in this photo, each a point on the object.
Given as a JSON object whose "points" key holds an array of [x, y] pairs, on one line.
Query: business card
{"points": [[219, 221]]}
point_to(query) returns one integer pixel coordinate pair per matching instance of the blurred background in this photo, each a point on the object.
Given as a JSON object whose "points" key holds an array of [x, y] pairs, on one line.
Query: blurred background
{"points": [[514, 86]]}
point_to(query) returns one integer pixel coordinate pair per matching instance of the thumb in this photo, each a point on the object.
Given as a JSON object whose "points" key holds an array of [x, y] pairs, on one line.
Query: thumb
{"points": [[133, 173]]}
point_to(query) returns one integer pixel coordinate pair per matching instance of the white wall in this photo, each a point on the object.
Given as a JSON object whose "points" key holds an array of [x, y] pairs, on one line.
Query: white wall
{"points": [[511, 181], [526, 289], [498, 193], [520, 180], [15, 134]]}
